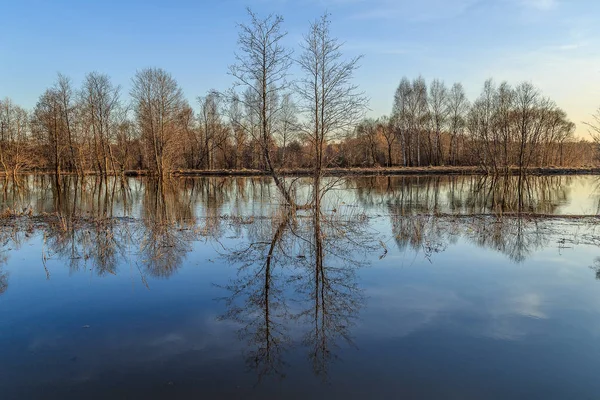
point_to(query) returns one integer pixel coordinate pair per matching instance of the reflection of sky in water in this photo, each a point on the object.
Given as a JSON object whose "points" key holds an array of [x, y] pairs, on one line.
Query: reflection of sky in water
{"points": [[445, 314]]}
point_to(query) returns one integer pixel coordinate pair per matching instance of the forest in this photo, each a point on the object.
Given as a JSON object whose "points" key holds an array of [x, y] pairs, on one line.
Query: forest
{"points": [[272, 120]]}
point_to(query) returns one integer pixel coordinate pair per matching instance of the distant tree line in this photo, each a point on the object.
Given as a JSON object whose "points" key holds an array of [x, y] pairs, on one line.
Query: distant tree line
{"points": [[504, 127], [269, 121]]}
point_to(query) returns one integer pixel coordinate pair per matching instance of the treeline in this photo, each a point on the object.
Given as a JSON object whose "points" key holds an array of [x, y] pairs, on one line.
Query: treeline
{"points": [[270, 121], [504, 127]]}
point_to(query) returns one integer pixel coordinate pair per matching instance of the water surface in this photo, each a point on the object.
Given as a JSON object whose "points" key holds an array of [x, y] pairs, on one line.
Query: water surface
{"points": [[415, 287]]}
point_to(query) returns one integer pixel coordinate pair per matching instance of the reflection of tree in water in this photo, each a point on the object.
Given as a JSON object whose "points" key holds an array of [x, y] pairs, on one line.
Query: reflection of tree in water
{"points": [[85, 232], [419, 233], [12, 236], [259, 287], [516, 237], [416, 194], [99, 223], [596, 267], [15, 192], [82, 229], [498, 216], [3, 281], [297, 268], [464, 194], [168, 227], [508, 194], [327, 278]]}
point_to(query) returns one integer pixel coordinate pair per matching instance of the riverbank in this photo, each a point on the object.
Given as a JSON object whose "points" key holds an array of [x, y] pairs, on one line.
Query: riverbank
{"points": [[443, 170], [383, 171]]}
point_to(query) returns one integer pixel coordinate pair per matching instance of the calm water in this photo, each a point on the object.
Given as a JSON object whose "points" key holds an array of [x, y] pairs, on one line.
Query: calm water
{"points": [[427, 288]]}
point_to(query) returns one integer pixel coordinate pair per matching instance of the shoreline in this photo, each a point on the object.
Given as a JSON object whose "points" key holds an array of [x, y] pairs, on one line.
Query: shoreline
{"points": [[381, 171]]}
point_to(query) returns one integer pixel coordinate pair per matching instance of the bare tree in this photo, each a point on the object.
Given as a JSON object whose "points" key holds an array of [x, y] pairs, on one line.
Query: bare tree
{"points": [[262, 67], [126, 134], [367, 131], [479, 124], [388, 131], [401, 117], [594, 127], [64, 92], [235, 114], [331, 102], [48, 125], [101, 114], [14, 136], [458, 106], [158, 103], [214, 131], [287, 124], [438, 116], [419, 112], [503, 122], [532, 110]]}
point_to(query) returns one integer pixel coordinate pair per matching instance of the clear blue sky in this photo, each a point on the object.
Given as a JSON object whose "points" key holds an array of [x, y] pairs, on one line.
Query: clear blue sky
{"points": [[553, 43]]}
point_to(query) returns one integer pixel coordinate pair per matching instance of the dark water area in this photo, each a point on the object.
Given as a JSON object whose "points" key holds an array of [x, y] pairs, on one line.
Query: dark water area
{"points": [[462, 287]]}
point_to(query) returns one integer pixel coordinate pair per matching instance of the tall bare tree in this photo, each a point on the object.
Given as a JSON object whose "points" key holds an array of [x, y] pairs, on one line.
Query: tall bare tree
{"points": [[48, 126], [158, 103], [14, 137], [332, 103], [287, 125], [214, 131], [101, 114], [401, 117], [438, 118], [235, 115], [388, 131], [262, 65], [594, 126], [368, 132], [458, 106], [64, 91], [419, 113]]}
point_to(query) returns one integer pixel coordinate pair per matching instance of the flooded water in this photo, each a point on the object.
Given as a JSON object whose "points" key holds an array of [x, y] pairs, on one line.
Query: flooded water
{"points": [[396, 287]]}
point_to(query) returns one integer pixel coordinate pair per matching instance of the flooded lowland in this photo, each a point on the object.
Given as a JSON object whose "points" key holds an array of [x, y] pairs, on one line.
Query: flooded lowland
{"points": [[447, 287]]}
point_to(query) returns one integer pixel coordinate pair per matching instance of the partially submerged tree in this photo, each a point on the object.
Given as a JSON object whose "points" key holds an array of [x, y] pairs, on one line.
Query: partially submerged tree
{"points": [[48, 124], [261, 67], [158, 103], [64, 91], [331, 102]]}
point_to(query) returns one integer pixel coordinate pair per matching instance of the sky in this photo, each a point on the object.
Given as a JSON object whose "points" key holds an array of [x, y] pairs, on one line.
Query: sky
{"points": [[555, 44]]}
